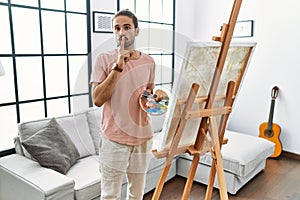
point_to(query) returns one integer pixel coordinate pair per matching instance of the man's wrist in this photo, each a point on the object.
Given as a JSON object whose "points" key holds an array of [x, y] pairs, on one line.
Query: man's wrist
{"points": [[117, 67]]}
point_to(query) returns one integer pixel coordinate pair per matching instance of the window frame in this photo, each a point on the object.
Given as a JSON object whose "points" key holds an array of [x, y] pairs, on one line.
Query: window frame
{"points": [[69, 95]]}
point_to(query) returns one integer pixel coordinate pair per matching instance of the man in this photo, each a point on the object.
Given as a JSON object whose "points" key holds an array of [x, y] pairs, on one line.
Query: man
{"points": [[119, 77]]}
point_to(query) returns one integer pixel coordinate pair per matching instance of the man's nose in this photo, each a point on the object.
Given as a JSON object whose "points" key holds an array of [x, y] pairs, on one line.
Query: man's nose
{"points": [[122, 32]]}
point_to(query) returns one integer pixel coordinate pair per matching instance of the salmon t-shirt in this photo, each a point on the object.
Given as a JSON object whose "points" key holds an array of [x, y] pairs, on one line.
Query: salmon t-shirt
{"points": [[123, 120]]}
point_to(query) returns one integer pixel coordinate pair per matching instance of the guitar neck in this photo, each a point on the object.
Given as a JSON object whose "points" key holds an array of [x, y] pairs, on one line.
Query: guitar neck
{"points": [[270, 122]]}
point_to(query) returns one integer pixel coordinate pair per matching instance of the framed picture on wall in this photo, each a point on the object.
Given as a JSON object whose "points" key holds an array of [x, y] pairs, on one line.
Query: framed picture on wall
{"points": [[243, 29], [102, 22]]}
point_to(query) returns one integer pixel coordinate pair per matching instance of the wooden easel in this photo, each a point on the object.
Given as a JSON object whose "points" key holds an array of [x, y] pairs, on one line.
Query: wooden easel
{"points": [[208, 123]]}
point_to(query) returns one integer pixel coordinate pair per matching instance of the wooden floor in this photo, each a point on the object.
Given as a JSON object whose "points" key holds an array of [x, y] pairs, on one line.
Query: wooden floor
{"points": [[279, 181]]}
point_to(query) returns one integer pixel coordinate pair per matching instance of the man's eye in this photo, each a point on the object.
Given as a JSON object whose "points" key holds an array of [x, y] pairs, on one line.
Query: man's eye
{"points": [[117, 28]]}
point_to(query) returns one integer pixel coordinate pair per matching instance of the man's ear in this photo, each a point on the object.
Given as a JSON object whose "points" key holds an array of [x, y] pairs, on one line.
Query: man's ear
{"points": [[137, 31]]}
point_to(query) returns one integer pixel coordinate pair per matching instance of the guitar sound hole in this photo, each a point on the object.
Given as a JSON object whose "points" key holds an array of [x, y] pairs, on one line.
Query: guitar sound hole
{"points": [[269, 133]]}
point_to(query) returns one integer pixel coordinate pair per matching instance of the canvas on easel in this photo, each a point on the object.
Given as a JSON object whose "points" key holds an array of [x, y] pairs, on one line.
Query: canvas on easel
{"points": [[198, 67]]}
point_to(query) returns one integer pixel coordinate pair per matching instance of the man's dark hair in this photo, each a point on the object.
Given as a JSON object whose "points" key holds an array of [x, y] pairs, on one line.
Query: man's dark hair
{"points": [[127, 13]]}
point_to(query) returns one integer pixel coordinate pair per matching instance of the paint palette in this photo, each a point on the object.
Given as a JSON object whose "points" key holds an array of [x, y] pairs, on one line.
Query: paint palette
{"points": [[154, 104]]}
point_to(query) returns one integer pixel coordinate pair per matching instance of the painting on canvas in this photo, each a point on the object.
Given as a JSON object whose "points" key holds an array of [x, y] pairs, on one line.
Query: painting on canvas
{"points": [[198, 67]]}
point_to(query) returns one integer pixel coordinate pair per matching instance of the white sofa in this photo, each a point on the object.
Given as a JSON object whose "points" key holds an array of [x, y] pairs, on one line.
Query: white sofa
{"points": [[23, 178]]}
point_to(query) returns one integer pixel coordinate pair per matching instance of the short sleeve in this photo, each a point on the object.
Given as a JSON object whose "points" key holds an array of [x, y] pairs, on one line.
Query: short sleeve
{"points": [[99, 70]]}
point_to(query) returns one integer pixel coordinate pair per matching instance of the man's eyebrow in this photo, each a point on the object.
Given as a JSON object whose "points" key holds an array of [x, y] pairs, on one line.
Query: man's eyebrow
{"points": [[123, 25]]}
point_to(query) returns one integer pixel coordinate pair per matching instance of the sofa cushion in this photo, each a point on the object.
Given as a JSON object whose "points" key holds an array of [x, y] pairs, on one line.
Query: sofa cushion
{"points": [[52, 147], [75, 125], [94, 120], [233, 181], [87, 184], [242, 154]]}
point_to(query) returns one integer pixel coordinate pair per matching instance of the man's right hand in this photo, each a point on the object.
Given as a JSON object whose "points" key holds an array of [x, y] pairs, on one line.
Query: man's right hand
{"points": [[124, 55]]}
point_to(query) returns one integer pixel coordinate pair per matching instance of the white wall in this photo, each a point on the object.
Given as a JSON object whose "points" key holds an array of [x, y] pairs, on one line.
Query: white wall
{"points": [[102, 42], [275, 60]]}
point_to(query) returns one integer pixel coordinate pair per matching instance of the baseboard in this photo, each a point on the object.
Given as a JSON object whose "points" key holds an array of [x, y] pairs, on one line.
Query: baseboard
{"points": [[290, 155]]}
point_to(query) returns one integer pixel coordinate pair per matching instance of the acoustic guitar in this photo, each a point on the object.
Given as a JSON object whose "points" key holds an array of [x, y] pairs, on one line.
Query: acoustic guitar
{"points": [[270, 130]]}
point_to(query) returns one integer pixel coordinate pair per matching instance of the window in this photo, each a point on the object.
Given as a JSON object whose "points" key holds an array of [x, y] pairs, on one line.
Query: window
{"points": [[44, 51], [157, 24]]}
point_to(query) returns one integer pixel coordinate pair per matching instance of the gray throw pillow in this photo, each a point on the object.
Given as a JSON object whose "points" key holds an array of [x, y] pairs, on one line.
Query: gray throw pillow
{"points": [[52, 147]]}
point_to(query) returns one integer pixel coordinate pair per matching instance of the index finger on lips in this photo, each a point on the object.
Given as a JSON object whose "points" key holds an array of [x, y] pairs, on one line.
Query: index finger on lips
{"points": [[122, 43]]}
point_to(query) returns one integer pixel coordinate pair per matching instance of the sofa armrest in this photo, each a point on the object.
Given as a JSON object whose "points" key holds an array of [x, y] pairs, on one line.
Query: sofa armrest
{"points": [[22, 178]]}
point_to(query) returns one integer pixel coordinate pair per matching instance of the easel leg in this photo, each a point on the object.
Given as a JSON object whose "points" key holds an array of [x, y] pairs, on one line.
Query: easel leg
{"points": [[212, 175], [217, 164], [161, 181], [220, 173], [180, 127], [189, 182], [211, 180]]}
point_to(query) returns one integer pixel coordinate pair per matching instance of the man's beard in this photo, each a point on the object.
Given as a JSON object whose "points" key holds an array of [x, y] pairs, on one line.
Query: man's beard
{"points": [[128, 43]]}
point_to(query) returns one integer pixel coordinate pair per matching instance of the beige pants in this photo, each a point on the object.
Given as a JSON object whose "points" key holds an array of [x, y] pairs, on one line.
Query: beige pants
{"points": [[117, 160]]}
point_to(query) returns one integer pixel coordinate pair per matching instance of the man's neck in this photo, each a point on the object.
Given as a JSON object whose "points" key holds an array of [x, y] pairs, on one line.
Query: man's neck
{"points": [[131, 48]]}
